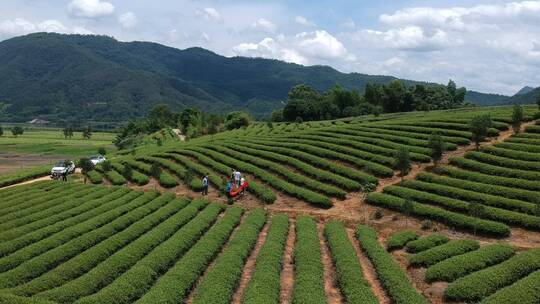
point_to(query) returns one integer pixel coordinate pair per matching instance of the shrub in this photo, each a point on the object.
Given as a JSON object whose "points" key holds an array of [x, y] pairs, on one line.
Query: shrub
{"points": [[526, 290], [400, 239], [478, 285], [426, 243], [392, 277], [166, 180], [309, 280], [265, 283], [458, 266], [115, 178], [351, 280], [24, 175], [494, 170], [94, 176], [442, 252]]}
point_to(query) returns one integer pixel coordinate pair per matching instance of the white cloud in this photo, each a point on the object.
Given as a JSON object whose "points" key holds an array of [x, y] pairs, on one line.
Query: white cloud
{"points": [[211, 14], [412, 38], [303, 21], [20, 26], [264, 25], [348, 24], [90, 8], [128, 20], [321, 44], [269, 48]]}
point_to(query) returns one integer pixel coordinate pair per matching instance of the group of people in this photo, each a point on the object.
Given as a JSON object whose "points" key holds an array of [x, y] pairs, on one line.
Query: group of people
{"points": [[235, 182]]}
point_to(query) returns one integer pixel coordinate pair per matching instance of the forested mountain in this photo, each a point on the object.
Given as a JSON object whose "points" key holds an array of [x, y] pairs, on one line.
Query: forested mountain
{"points": [[96, 77], [524, 90]]}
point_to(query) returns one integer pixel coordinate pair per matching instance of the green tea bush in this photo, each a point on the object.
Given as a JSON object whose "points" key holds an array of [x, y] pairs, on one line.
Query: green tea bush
{"points": [[309, 273], [423, 136], [219, 284], [519, 147], [458, 266], [504, 161], [393, 278], [24, 175], [351, 280], [478, 285], [427, 242], [265, 283], [442, 252], [95, 177], [524, 291], [136, 176], [494, 170], [115, 178], [166, 180], [518, 155], [398, 240]]}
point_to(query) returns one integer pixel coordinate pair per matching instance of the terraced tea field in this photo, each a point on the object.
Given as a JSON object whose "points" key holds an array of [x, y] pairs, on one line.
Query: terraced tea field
{"points": [[324, 220]]}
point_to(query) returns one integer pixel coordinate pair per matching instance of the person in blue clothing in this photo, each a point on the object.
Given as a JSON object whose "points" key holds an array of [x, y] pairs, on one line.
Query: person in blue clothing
{"points": [[228, 189], [205, 185]]}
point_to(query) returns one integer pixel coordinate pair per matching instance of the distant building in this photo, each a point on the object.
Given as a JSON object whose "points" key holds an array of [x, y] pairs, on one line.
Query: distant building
{"points": [[38, 121]]}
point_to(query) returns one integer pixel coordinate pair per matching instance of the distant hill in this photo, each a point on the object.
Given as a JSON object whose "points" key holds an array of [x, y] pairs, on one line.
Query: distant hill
{"points": [[525, 98], [58, 77], [524, 90]]}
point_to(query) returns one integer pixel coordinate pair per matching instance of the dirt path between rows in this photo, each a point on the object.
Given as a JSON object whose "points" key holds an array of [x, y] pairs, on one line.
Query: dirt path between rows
{"points": [[287, 273]]}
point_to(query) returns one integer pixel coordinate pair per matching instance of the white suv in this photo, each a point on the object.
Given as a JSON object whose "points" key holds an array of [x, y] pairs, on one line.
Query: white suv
{"points": [[97, 159], [63, 167]]}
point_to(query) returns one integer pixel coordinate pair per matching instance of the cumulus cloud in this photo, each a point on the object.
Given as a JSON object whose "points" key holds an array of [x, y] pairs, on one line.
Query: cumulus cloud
{"points": [[264, 25], [20, 26], [315, 47], [90, 8], [128, 20], [303, 21], [408, 38], [211, 14]]}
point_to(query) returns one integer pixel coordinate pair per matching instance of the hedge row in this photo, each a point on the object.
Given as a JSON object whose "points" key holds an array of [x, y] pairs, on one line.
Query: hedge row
{"points": [[429, 130], [524, 291], [307, 169], [13, 299], [494, 170], [481, 187], [447, 217], [15, 192], [24, 175], [522, 140], [374, 147], [95, 177], [166, 180], [398, 240], [175, 284], [488, 179], [483, 283], [501, 126], [219, 284], [36, 231], [133, 283], [293, 190], [137, 165], [490, 213], [425, 136], [392, 277], [324, 163], [77, 204], [533, 129], [349, 273], [459, 266], [309, 273], [519, 155], [504, 162], [427, 242], [519, 147], [136, 176], [262, 192], [442, 252], [115, 178], [327, 146], [32, 198], [39, 260], [196, 183], [290, 176], [173, 214], [469, 195], [316, 155]]}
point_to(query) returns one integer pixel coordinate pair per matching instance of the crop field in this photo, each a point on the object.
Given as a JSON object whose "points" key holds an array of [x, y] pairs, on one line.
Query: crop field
{"points": [[327, 218]]}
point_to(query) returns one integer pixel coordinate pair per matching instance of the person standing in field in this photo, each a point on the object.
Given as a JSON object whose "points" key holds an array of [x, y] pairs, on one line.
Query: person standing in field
{"points": [[233, 174], [242, 181], [237, 177], [205, 185]]}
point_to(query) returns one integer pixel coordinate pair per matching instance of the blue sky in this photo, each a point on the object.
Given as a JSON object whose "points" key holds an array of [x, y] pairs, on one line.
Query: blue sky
{"points": [[490, 46]]}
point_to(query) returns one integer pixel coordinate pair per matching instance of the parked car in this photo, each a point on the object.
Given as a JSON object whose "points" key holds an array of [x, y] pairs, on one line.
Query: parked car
{"points": [[97, 159], [62, 167]]}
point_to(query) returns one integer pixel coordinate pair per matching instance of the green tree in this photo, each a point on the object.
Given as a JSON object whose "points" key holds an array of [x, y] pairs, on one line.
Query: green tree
{"points": [[1, 131], [236, 120], [403, 162], [436, 145], [87, 132], [476, 210], [127, 172], [102, 151], [67, 131], [479, 127], [106, 166], [86, 166], [517, 118], [407, 208], [16, 131], [155, 170], [270, 125]]}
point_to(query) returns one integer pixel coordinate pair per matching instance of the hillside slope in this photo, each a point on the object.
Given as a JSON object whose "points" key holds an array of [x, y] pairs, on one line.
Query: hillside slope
{"points": [[97, 77]]}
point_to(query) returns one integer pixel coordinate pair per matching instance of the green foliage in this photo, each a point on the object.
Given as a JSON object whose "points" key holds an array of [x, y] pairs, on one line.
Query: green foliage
{"points": [[348, 269], [115, 178], [524, 291], [436, 144], [265, 284], [23, 175], [106, 166], [155, 170], [235, 120], [398, 240], [479, 127], [102, 151], [94, 176], [403, 162], [219, 284], [517, 118], [16, 131], [87, 132], [494, 170], [426, 243], [127, 172], [166, 180], [440, 253], [1, 131], [458, 266], [392, 277], [476, 286], [67, 132], [309, 276]]}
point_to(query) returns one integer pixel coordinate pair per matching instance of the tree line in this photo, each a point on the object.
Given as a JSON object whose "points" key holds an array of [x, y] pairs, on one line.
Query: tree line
{"points": [[305, 103]]}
